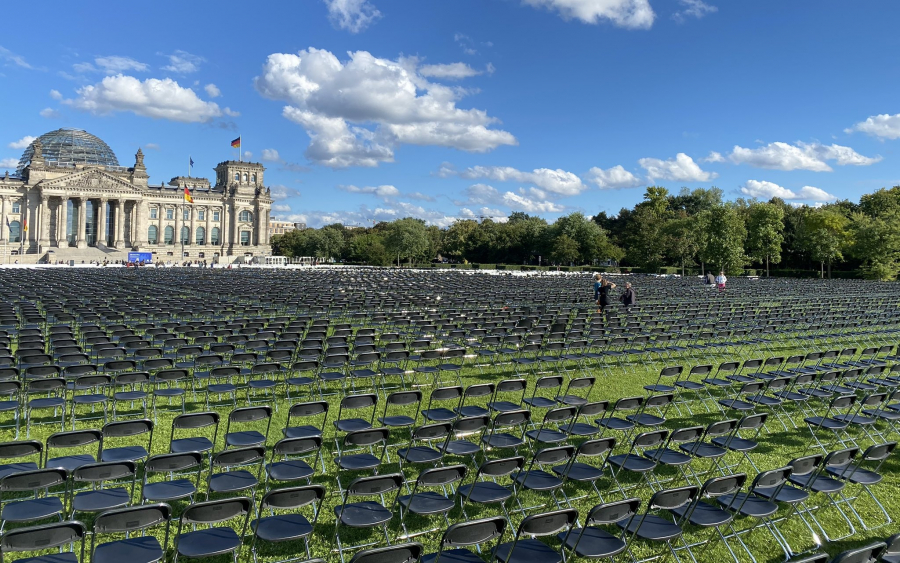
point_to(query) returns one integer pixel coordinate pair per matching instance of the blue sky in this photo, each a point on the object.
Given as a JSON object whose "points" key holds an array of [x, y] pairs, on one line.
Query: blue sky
{"points": [[369, 110]]}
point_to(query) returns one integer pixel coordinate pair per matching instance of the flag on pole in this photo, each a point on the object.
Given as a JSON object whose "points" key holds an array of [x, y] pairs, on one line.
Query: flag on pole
{"points": [[236, 144], [25, 225], [187, 196], [191, 162]]}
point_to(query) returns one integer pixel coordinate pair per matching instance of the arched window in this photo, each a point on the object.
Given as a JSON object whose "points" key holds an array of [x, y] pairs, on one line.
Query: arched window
{"points": [[186, 235], [253, 178], [245, 216], [245, 177], [245, 238], [201, 235], [153, 234], [214, 236], [169, 235], [15, 231], [237, 176]]}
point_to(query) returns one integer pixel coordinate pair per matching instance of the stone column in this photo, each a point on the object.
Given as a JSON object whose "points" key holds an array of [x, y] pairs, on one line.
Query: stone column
{"points": [[235, 230], [44, 222], [119, 228], [3, 229], [223, 229], [160, 228], [192, 236], [101, 222], [80, 241], [62, 222], [206, 240], [266, 234], [141, 212]]}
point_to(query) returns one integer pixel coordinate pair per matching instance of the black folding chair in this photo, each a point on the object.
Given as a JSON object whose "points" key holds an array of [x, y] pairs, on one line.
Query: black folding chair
{"points": [[37, 539], [285, 522], [214, 538], [143, 547]]}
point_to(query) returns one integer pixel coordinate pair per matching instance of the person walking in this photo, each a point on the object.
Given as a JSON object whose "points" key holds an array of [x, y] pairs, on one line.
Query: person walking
{"points": [[603, 301], [721, 280], [628, 297], [598, 281]]}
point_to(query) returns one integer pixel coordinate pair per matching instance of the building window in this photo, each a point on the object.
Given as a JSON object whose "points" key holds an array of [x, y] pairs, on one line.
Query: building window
{"points": [[237, 176], [186, 235], [169, 235], [253, 178], [245, 238], [186, 214], [214, 236], [170, 214], [245, 177], [245, 216], [201, 235], [201, 215], [153, 234], [15, 230], [215, 215], [17, 207], [154, 213]]}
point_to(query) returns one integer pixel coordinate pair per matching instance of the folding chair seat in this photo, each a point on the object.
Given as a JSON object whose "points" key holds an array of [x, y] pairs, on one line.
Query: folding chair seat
{"points": [[295, 378], [235, 470], [865, 474], [192, 422], [126, 431], [402, 401], [665, 375], [285, 522], [484, 489], [143, 547], [54, 536], [456, 443], [444, 395], [891, 554], [41, 503], [292, 466], [510, 389], [592, 541], [746, 390], [500, 435], [44, 394], [866, 554], [356, 403], [709, 515], [87, 444], [660, 404], [654, 528], [551, 429], [828, 422], [611, 422], [110, 485], [17, 451], [167, 385], [366, 514], [214, 539], [417, 451], [537, 479], [425, 501], [245, 418], [263, 381], [181, 472], [372, 439], [525, 548], [475, 392], [577, 391]]}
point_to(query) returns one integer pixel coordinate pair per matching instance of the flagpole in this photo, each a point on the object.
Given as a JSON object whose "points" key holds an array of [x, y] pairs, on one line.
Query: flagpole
{"points": [[240, 148], [189, 166]]}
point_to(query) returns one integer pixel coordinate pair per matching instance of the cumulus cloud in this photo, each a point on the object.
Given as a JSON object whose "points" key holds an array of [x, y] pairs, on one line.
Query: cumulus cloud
{"points": [[212, 91], [9, 163], [630, 14], [883, 126], [230, 112], [384, 192], [352, 15], [693, 9], [768, 190], [800, 156], [532, 200], [452, 71], [152, 146], [367, 216], [612, 178], [280, 192], [183, 62], [270, 155], [356, 112], [159, 99], [559, 182], [22, 143], [713, 157], [56, 95], [682, 168], [281, 208], [49, 113], [418, 196], [11, 58]]}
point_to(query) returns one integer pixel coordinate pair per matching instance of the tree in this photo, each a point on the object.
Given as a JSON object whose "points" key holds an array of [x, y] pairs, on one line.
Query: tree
{"points": [[722, 233], [565, 249], [369, 248], [589, 238], [765, 233], [876, 243], [457, 239], [407, 238], [824, 235], [329, 242], [682, 240], [644, 238]]}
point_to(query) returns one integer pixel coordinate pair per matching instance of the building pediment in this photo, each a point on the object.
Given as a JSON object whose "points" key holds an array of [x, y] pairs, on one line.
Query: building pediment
{"points": [[88, 183]]}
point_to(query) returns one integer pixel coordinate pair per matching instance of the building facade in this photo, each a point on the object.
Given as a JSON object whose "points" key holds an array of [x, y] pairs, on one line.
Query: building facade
{"points": [[277, 227], [70, 199]]}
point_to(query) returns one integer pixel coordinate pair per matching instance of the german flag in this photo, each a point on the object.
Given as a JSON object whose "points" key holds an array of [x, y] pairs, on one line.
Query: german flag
{"points": [[236, 144], [187, 196]]}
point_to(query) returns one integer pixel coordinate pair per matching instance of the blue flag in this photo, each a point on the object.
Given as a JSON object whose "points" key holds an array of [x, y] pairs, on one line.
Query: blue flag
{"points": [[192, 161]]}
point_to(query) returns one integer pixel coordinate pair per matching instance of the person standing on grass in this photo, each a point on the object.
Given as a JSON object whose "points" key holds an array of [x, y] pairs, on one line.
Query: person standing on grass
{"points": [[628, 297], [598, 281], [721, 280], [603, 301]]}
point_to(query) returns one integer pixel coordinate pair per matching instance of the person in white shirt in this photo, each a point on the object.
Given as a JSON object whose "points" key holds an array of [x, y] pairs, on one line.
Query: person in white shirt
{"points": [[720, 281]]}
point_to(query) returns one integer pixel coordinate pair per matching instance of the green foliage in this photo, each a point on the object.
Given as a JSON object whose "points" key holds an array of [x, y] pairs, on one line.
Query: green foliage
{"points": [[765, 228], [876, 243], [407, 238], [722, 236], [825, 234]]}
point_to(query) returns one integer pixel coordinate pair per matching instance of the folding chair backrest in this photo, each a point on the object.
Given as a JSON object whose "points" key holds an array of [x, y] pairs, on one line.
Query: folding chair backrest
{"points": [[215, 511], [292, 497], [557, 455], [548, 523], [501, 467], [303, 410], [473, 532], [296, 446], [429, 432], [33, 480], [840, 458], [471, 424], [166, 463], [511, 418], [806, 465], [723, 485], [879, 452], [403, 398], [107, 471], [611, 512], [367, 437], [47, 536], [671, 499], [20, 449], [238, 456], [375, 485], [126, 428], [132, 519], [866, 554], [400, 553], [441, 476], [556, 416], [772, 479], [194, 420]]}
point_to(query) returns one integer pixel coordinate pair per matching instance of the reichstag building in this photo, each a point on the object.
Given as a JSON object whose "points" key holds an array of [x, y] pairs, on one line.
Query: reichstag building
{"points": [[71, 200]]}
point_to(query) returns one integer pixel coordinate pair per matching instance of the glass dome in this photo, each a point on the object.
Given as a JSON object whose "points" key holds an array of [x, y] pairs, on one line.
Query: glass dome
{"points": [[67, 147]]}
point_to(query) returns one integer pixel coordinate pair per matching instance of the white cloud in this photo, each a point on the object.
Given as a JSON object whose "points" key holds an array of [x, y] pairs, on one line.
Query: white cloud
{"points": [[631, 14], [356, 112], [799, 156], [10, 57], [352, 15], [9, 163], [22, 143], [281, 208], [532, 200], [159, 99], [557, 181], [884, 125], [247, 154], [418, 196], [768, 190], [519, 202], [280, 192], [152, 146], [183, 62], [452, 71], [270, 155], [116, 64], [212, 91], [56, 95], [49, 113], [384, 192], [713, 157], [366, 216], [682, 168], [230, 112], [612, 178], [694, 9]]}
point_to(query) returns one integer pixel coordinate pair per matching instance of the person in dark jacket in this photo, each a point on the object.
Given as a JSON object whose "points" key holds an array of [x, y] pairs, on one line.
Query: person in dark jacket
{"points": [[603, 302], [629, 299]]}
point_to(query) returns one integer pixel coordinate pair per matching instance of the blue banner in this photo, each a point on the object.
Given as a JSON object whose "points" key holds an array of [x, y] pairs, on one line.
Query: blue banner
{"points": [[140, 257]]}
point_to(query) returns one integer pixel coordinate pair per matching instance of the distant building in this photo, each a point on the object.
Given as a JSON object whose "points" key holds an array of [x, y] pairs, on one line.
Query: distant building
{"points": [[300, 226], [277, 227]]}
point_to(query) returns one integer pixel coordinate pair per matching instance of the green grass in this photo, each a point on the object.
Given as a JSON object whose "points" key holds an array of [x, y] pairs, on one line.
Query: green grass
{"points": [[777, 448]]}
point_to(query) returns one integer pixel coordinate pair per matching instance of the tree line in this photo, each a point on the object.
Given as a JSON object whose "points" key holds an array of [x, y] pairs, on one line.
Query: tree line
{"points": [[690, 230]]}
